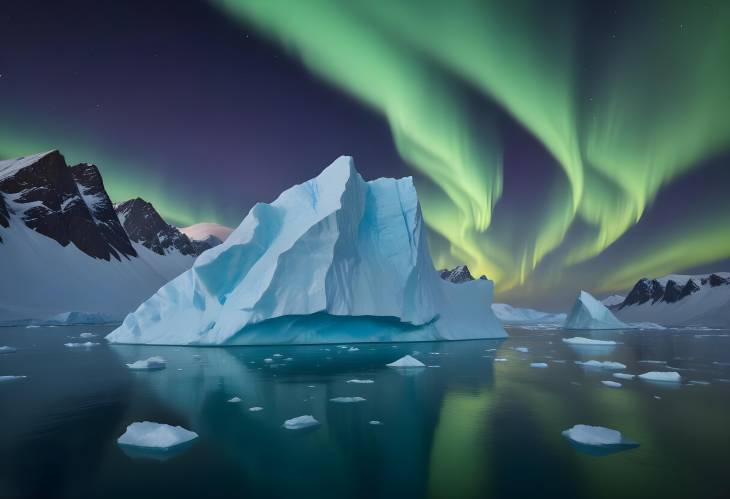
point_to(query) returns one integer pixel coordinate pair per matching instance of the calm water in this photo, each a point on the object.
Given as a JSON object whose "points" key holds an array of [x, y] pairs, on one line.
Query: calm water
{"points": [[469, 428]]}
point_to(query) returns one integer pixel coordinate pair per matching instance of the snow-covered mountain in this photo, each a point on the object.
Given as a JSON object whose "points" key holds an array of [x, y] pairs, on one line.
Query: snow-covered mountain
{"points": [[515, 315], [612, 300], [589, 313], [677, 300], [63, 251], [335, 259], [206, 235]]}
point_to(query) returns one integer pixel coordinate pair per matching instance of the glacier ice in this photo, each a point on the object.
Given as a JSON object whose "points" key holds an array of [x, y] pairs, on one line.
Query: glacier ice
{"points": [[589, 313], [300, 422], [151, 364], [333, 260], [662, 376], [155, 435], [407, 361]]}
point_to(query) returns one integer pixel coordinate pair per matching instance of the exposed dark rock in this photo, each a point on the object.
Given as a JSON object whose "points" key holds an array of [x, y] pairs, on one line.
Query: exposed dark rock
{"points": [[145, 226], [672, 292], [457, 274], [68, 205], [643, 291], [689, 288], [716, 280]]}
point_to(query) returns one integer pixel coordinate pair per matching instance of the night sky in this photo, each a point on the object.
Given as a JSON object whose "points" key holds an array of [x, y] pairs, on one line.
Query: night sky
{"points": [[555, 145]]}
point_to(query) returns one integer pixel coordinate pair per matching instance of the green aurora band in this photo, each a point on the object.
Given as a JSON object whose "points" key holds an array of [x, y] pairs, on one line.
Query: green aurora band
{"points": [[654, 107]]}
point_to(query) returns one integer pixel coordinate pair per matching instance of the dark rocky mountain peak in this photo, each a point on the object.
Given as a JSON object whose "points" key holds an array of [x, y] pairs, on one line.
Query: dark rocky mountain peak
{"points": [[458, 274], [145, 226], [66, 204]]}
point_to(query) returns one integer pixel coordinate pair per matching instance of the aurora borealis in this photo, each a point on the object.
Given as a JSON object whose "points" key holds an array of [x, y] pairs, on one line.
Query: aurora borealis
{"points": [[554, 144]]}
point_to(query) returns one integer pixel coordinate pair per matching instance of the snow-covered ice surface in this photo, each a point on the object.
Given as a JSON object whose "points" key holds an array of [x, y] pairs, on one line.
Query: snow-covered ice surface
{"points": [[150, 364], [155, 435], [301, 422], [347, 400], [407, 361], [598, 440], [589, 313], [662, 376], [613, 300], [515, 315], [333, 260], [578, 340], [601, 364]]}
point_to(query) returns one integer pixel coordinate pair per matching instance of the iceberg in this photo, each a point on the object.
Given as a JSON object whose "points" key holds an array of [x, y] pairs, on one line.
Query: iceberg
{"points": [[300, 422], [235, 400], [255, 408], [577, 340], [589, 313], [151, 364], [333, 260], [407, 361], [87, 344], [155, 435], [662, 376]]}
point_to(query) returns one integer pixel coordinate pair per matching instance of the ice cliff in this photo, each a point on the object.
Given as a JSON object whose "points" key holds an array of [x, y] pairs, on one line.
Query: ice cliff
{"points": [[334, 259]]}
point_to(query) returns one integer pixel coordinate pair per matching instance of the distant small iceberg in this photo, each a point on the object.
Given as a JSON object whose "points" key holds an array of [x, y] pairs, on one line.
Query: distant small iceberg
{"points": [[407, 361], [598, 364], [151, 364], [159, 441]]}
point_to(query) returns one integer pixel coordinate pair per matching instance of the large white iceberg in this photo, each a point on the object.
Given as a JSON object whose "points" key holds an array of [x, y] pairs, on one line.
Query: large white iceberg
{"points": [[589, 313], [333, 260]]}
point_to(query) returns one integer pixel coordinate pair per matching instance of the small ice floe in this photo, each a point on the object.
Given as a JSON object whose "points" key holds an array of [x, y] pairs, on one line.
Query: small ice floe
{"points": [[652, 361], [255, 408], [31, 326], [7, 349], [347, 400], [522, 349], [539, 365], [6, 379], [407, 361], [490, 350], [300, 422], [578, 340], [375, 422], [598, 440], [87, 335], [277, 355], [87, 344], [159, 436], [624, 376], [661, 376], [698, 382], [360, 381], [288, 359], [311, 386], [353, 349], [234, 400], [657, 397], [268, 360], [598, 364], [152, 364], [558, 361], [611, 384], [500, 359], [433, 366]]}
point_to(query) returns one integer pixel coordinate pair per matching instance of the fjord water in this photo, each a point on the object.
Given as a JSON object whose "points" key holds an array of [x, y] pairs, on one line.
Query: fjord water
{"points": [[471, 427]]}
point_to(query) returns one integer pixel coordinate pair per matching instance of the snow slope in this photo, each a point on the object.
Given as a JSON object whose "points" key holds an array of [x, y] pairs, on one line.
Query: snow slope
{"points": [[589, 313], [334, 259], [514, 315], [203, 231], [613, 300]]}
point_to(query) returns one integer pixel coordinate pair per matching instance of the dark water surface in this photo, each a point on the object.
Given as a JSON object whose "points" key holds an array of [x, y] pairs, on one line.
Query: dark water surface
{"points": [[472, 427]]}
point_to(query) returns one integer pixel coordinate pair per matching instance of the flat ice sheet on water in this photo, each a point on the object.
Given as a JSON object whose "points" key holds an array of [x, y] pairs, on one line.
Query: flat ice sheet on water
{"points": [[155, 435], [150, 364], [598, 440], [300, 422], [598, 364], [579, 340], [661, 376], [347, 400]]}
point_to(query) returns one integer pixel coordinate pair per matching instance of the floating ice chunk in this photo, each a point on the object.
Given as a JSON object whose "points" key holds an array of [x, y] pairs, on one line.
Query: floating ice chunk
{"points": [[407, 361], [87, 335], [500, 359], [4, 379], [288, 359], [606, 364], [624, 375], [277, 355], [151, 364], [375, 423], [540, 365], [235, 400], [646, 325], [155, 435], [353, 349], [87, 344], [255, 408], [268, 360], [7, 349], [662, 376], [300, 422], [522, 349], [433, 366], [579, 340], [593, 435], [612, 384], [360, 381], [698, 382], [347, 400]]}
